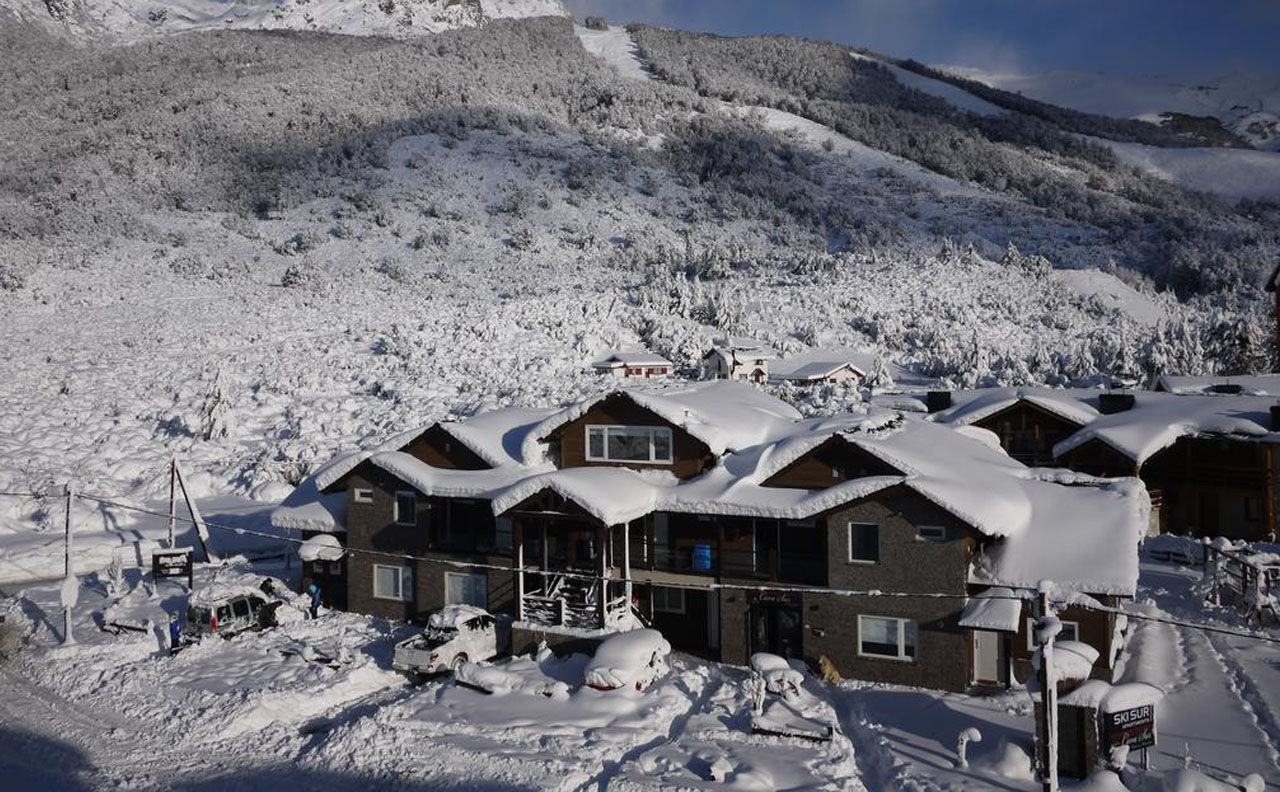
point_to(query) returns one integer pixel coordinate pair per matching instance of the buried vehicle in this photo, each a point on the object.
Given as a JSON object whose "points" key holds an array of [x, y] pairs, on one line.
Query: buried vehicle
{"points": [[630, 659], [779, 677], [454, 635], [230, 606]]}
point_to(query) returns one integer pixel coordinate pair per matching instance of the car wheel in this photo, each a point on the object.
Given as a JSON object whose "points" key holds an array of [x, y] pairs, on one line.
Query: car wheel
{"points": [[458, 660]]}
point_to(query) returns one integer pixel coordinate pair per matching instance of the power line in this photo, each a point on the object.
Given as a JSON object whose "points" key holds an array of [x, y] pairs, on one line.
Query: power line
{"points": [[689, 585]]}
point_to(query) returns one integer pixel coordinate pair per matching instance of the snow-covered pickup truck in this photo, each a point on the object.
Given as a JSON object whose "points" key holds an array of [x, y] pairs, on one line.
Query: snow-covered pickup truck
{"points": [[454, 635]]}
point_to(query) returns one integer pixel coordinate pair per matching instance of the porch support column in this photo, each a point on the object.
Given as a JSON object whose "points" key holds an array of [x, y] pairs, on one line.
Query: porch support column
{"points": [[626, 562], [518, 560], [602, 538]]}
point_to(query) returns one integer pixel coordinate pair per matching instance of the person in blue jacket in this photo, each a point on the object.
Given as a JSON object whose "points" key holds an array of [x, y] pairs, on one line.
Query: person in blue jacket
{"points": [[314, 592], [175, 633]]}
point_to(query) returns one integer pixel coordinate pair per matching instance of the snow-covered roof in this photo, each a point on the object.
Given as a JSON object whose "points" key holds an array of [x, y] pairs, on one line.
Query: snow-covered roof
{"points": [[1084, 536], [630, 358], [973, 406], [996, 608], [750, 347], [611, 495], [307, 509], [724, 415], [1157, 420], [818, 364], [497, 436], [1252, 385], [443, 482]]}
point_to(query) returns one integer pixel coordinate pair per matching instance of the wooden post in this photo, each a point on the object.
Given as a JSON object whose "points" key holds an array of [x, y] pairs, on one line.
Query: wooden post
{"points": [[173, 500], [602, 534], [69, 592], [519, 562], [1048, 697], [626, 563]]}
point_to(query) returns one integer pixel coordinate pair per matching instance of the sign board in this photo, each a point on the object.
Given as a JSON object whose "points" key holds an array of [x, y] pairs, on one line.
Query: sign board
{"points": [[172, 562], [1134, 727]]}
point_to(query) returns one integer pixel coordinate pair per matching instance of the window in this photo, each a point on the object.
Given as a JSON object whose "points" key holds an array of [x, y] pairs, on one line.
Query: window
{"points": [[392, 582], [406, 508], [932, 533], [881, 636], [651, 444], [224, 614], [864, 543], [1070, 632], [668, 600], [361, 495], [502, 537], [240, 608], [462, 588], [1253, 509]]}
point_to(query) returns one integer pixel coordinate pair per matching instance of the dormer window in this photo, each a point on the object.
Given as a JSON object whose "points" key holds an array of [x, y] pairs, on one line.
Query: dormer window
{"points": [[644, 444]]}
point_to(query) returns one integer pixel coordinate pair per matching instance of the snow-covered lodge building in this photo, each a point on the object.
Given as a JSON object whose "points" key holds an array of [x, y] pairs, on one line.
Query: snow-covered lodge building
{"points": [[633, 365], [737, 358], [1207, 454], [719, 515]]}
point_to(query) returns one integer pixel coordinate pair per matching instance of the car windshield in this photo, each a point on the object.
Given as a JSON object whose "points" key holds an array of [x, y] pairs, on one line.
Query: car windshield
{"points": [[438, 635]]}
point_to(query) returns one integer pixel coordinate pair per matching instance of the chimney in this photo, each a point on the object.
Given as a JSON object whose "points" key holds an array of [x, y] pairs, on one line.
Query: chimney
{"points": [[1109, 403], [937, 401], [1275, 417], [1229, 388]]}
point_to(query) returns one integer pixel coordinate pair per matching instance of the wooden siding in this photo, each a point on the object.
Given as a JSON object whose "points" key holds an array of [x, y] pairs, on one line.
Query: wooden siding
{"points": [[440, 449], [1098, 459], [1028, 433], [833, 462], [690, 456]]}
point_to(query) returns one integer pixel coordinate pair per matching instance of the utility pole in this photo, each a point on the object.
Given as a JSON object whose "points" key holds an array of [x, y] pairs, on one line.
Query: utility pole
{"points": [[173, 499], [70, 586], [1047, 627]]}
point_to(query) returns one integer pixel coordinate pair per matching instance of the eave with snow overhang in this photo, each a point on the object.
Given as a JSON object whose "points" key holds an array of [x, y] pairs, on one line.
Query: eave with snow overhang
{"points": [[979, 405], [818, 372]]}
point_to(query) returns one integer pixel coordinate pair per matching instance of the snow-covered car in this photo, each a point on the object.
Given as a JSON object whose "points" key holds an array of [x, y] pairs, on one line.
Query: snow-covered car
{"points": [[635, 658], [778, 675], [499, 681], [454, 635]]}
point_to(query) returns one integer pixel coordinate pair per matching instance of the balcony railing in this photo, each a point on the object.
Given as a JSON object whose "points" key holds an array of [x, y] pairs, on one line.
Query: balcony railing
{"points": [[707, 559]]}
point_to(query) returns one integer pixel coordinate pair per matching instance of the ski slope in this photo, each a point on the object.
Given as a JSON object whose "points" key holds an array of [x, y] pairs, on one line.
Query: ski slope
{"points": [[1229, 173]]}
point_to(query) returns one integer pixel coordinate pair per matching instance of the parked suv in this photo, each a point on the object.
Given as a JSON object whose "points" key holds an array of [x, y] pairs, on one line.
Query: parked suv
{"points": [[230, 613], [454, 635]]}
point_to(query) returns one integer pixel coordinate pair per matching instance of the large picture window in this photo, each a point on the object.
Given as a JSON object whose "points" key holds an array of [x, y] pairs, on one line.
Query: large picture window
{"points": [[392, 582], [884, 636], [462, 588], [647, 444], [668, 600]]}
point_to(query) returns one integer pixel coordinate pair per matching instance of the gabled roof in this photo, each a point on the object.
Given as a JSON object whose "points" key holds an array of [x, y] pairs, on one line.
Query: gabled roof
{"points": [[973, 406], [1157, 420], [817, 364], [748, 347], [724, 415], [630, 358], [817, 370]]}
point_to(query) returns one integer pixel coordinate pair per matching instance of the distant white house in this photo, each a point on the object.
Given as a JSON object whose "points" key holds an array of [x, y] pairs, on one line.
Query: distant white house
{"points": [[816, 372], [737, 358], [632, 365]]}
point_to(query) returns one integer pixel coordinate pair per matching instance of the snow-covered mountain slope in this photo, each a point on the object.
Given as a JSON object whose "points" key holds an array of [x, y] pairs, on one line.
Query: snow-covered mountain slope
{"points": [[1231, 173], [132, 19], [255, 250], [1246, 102]]}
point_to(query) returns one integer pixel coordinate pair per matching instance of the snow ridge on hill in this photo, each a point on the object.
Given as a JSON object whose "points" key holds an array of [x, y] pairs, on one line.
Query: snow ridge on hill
{"points": [[1246, 103], [134, 19]]}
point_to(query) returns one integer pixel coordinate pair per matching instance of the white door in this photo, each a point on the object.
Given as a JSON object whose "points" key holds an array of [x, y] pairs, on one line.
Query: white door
{"points": [[986, 656]]}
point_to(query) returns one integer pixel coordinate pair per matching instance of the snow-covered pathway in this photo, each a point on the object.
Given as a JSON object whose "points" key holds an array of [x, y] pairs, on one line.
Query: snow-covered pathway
{"points": [[1221, 690]]}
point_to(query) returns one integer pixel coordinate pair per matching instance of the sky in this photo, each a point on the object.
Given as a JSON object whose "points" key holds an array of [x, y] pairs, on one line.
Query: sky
{"points": [[1179, 38]]}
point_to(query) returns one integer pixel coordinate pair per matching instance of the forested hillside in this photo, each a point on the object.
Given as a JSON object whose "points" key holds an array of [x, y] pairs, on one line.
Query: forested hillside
{"points": [[257, 247]]}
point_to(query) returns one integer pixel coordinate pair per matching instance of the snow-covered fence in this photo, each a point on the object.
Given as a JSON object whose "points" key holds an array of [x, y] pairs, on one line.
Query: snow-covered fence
{"points": [[1238, 577]]}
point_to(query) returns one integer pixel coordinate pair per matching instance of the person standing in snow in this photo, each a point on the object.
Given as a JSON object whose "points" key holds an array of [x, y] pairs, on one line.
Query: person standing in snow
{"points": [[314, 591], [175, 633]]}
